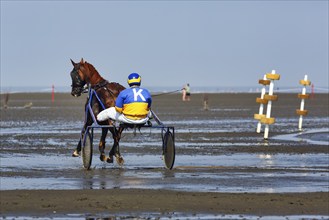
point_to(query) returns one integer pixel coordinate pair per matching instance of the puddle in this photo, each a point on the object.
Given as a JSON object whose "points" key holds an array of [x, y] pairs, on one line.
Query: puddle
{"points": [[314, 136]]}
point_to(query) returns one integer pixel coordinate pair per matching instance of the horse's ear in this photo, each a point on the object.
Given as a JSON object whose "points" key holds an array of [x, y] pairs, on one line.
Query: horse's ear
{"points": [[82, 61], [73, 63]]}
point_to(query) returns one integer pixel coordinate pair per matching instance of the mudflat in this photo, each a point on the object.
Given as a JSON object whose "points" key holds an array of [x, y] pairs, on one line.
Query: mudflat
{"points": [[61, 202], [239, 136]]}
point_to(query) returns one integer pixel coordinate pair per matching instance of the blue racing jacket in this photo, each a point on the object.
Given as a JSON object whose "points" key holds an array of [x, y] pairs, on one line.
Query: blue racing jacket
{"points": [[134, 103]]}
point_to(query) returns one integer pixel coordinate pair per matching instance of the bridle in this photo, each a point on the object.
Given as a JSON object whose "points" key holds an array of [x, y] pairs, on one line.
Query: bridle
{"points": [[77, 82]]}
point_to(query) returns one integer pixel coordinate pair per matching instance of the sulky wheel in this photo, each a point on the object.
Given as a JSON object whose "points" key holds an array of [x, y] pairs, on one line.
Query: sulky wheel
{"points": [[168, 150], [87, 151]]}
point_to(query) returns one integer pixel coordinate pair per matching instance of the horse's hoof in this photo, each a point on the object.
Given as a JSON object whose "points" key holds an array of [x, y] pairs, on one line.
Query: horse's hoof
{"points": [[109, 159], [76, 153], [102, 157], [119, 159]]}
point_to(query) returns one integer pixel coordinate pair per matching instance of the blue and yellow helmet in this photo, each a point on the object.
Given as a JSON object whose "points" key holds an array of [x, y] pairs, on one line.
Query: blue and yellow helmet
{"points": [[134, 79]]}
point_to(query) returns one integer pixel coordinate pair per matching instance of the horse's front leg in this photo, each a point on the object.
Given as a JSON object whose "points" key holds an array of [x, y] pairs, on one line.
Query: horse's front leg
{"points": [[115, 150], [88, 122], [101, 145], [76, 152]]}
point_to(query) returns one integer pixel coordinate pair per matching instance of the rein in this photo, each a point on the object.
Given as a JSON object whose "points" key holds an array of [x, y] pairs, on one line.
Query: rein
{"points": [[103, 83], [166, 93]]}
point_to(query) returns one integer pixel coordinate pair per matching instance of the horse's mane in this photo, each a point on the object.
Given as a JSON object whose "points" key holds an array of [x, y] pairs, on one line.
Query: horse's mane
{"points": [[95, 77], [92, 68]]}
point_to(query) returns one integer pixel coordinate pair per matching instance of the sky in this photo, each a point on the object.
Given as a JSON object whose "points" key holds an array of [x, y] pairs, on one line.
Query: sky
{"points": [[169, 43]]}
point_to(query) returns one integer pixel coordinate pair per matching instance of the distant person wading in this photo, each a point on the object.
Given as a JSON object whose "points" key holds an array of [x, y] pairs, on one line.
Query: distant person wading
{"points": [[186, 92]]}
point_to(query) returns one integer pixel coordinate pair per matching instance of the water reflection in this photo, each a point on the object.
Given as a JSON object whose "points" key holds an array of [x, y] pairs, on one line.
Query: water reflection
{"points": [[110, 178], [267, 159]]}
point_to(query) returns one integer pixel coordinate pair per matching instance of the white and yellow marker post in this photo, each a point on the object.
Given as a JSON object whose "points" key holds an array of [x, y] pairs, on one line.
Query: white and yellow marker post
{"points": [[267, 120], [262, 102], [302, 112]]}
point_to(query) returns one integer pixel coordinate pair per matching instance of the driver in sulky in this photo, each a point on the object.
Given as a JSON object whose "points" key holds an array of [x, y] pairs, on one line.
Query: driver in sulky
{"points": [[132, 105]]}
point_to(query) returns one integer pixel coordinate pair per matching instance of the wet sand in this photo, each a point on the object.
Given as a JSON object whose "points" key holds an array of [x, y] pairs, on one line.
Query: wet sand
{"points": [[170, 108], [62, 202]]}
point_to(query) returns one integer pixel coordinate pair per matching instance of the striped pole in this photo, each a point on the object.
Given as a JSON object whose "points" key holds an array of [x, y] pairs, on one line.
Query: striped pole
{"points": [[270, 97], [262, 102], [302, 112]]}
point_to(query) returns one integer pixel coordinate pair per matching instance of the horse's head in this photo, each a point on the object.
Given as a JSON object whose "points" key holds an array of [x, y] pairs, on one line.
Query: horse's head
{"points": [[78, 78]]}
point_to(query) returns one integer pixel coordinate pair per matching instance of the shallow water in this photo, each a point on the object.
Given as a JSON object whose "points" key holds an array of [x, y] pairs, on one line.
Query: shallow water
{"points": [[221, 173], [313, 136], [232, 172]]}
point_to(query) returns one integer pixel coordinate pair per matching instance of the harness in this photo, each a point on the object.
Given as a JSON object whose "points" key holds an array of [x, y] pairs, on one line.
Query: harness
{"points": [[102, 84], [99, 85]]}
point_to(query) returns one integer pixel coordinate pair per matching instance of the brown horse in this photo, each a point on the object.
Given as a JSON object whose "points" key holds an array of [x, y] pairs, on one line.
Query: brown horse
{"points": [[84, 73]]}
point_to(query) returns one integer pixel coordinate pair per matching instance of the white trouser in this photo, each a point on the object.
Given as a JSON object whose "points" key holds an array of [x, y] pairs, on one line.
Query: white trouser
{"points": [[111, 113]]}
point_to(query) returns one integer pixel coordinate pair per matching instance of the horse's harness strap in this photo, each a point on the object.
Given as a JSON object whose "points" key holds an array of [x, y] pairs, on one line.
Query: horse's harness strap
{"points": [[99, 85], [102, 84]]}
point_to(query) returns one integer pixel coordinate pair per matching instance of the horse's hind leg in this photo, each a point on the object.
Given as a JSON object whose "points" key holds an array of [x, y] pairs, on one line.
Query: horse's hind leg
{"points": [[101, 145], [117, 154], [115, 148]]}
